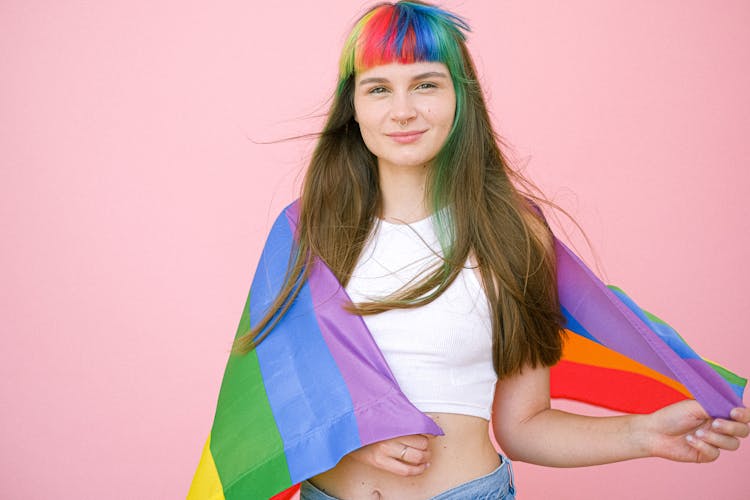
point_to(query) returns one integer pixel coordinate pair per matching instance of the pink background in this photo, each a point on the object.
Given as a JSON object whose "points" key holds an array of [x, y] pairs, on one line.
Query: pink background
{"points": [[134, 201]]}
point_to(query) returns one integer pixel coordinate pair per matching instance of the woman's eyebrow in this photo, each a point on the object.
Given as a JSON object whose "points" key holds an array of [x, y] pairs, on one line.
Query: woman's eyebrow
{"points": [[421, 76], [373, 79], [430, 74]]}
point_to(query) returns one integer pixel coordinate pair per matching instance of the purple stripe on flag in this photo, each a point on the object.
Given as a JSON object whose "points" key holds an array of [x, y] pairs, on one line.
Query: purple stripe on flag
{"points": [[613, 324], [591, 303], [715, 380]]}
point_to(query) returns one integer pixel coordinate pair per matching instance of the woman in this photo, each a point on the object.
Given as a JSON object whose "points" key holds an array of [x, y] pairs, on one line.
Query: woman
{"points": [[409, 202]]}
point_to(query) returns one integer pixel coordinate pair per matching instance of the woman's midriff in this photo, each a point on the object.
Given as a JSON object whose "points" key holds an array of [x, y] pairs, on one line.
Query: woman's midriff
{"points": [[464, 453]]}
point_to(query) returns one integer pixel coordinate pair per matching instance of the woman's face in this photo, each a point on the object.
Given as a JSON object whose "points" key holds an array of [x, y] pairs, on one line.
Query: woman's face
{"points": [[405, 111]]}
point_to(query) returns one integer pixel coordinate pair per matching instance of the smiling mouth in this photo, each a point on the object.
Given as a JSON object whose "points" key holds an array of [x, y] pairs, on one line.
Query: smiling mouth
{"points": [[406, 137]]}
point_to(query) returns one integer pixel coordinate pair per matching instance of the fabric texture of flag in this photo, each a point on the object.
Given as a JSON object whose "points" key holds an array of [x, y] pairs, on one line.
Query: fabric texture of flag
{"points": [[318, 388]]}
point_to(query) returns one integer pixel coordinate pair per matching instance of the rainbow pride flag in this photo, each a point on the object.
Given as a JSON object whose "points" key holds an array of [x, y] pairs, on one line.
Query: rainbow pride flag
{"points": [[621, 357], [318, 388]]}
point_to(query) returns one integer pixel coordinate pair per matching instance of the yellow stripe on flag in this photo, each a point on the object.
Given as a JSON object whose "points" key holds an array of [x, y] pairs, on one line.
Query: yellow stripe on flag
{"points": [[206, 483]]}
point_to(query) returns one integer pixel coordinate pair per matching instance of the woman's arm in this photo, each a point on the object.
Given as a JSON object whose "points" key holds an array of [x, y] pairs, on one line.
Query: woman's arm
{"points": [[529, 430]]}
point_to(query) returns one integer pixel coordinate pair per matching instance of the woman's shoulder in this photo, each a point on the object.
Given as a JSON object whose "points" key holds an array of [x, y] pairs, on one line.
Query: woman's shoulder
{"points": [[537, 226]]}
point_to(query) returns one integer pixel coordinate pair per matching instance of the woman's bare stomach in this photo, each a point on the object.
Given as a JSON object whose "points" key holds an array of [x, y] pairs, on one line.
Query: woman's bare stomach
{"points": [[464, 453]]}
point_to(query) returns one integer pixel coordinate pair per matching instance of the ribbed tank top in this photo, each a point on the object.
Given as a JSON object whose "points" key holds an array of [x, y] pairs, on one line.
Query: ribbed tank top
{"points": [[440, 353]]}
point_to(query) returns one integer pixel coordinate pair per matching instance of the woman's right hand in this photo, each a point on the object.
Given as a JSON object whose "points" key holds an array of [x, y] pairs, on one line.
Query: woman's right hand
{"points": [[403, 455]]}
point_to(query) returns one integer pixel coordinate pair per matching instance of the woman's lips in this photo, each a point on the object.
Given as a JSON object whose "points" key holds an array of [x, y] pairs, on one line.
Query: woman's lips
{"points": [[406, 137]]}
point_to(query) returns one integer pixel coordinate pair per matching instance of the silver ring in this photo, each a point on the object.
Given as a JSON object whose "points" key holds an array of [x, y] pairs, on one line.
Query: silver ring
{"points": [[403, 452]]}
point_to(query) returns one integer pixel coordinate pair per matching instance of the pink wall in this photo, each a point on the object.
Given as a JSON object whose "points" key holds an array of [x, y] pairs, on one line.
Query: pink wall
{"points": [[133, 205]]}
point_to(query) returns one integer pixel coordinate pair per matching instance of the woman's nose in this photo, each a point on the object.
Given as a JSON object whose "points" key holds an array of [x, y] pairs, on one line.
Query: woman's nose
{"points": [[402, 108]]}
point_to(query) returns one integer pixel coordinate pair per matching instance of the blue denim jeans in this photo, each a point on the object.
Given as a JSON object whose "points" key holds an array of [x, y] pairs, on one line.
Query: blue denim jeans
{"points": [[497, 485]]}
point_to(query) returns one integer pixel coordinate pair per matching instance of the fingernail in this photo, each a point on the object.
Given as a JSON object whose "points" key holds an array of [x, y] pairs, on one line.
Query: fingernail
{"points": [[700, 433], [735, 413], [715, 424], [690, 438]]}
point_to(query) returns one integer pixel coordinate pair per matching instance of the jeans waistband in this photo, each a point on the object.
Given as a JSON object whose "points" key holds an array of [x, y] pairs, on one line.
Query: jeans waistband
{"points": [[497, 485]]}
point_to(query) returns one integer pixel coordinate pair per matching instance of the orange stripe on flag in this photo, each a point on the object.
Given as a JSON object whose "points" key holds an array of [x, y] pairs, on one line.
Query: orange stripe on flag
{"points": [[581, 350]]}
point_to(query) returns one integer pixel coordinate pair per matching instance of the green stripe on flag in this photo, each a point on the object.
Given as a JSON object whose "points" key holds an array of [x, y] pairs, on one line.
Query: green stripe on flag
{"points": [[727, 375], [243, 415]]}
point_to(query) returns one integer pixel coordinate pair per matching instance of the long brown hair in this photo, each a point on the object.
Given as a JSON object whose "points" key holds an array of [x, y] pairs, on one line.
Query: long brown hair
{"points": [[480, 210]]}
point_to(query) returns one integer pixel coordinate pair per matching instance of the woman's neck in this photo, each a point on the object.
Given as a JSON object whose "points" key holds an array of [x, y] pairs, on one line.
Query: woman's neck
{"points": [[402, 192]]}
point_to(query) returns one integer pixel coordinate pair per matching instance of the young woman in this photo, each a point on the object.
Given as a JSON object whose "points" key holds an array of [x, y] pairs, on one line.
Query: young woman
{"points": [[409, 202]]}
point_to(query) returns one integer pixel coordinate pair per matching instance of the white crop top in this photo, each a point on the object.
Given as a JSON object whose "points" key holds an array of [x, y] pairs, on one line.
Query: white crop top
{"points": [[440, 353]]}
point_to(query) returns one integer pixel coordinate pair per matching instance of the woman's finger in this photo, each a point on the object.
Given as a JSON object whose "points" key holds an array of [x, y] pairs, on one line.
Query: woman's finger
{"points": [[418, 441], [706, 452], [740, 415], [730, 428], [717, 440], [399, 467], [406, 453], [414, 456]]}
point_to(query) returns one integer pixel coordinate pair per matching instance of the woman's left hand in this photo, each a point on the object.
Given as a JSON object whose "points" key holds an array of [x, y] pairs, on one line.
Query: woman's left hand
{"points": [[685, 433]]}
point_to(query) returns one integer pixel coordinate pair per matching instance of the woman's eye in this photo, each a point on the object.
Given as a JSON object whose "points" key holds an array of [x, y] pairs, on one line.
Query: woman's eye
{"points": [[377, 90], [426, 85]]}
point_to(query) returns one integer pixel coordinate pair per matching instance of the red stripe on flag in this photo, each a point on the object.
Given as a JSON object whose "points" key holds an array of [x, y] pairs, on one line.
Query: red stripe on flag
{"points": [[614, 389], [286, 494]]}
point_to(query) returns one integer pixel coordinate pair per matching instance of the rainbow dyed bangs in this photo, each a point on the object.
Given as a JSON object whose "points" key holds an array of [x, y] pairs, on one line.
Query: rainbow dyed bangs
{"points": [[405, 32]]}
